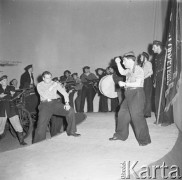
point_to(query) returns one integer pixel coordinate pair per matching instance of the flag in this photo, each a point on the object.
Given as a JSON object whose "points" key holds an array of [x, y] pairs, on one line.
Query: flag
{"points": [[173, 58]]}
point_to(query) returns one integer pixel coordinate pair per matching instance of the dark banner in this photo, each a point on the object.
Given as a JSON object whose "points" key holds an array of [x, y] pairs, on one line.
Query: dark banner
{"points": [[173, 59]]}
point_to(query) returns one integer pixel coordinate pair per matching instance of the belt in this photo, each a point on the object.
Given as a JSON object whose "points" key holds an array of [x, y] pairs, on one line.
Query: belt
{"points": [[49, 100], [132, 88]]}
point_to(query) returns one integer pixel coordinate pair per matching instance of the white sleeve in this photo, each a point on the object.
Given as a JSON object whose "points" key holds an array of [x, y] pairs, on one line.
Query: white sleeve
{"points": [[63, 92]]}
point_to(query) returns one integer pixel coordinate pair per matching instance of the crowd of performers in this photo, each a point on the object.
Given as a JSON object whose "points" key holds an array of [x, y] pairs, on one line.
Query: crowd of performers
{"points": [[137, 81]]}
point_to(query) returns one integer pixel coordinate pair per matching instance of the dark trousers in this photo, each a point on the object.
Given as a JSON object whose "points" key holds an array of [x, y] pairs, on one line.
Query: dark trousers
{"points": [[148, 96], [89, 94], [46, 110], [120, 93], [157, 98], [114, 104], [78, 100], [103, 103], [131, 112], [57, 125], [71, 101], [164, 117]]}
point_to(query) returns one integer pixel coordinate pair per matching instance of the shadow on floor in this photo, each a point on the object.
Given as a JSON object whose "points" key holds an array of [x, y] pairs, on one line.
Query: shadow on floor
{"points": [[9, 142], [168, 167]]}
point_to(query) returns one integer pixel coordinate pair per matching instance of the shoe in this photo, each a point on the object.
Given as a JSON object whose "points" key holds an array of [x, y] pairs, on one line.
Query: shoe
{"points": [[23, 143], [143, 144], [114, 138], [21, 138], [147, 116], [156, 123], [74, 134], [165, 124]]}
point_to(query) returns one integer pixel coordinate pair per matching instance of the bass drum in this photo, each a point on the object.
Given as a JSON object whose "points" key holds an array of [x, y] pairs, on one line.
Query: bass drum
{"points": [[107, 86]]}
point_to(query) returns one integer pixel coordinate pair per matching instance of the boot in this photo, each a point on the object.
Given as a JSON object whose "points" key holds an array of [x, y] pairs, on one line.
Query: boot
{"points": [[21, 138]]}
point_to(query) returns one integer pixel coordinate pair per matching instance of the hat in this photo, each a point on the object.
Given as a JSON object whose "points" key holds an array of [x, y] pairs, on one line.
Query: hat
{"points": [[67, 71], [97, 71], [86, 67], [100, 69], [74, 74], [28, 67], [146, 55], [3, 77], [130, 53], [55, 79], [158, 43], [11, 82]]}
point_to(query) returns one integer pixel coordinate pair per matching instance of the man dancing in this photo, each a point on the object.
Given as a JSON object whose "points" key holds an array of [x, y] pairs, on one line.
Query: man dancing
{"points": [[131, 110], [49, 106]]}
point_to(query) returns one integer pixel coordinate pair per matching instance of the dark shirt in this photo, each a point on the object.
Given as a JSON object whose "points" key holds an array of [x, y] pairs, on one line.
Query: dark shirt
{"points": [[116, 79], [65, 79], [6, 105], [7, 91], [159, 64], [88, 80]]}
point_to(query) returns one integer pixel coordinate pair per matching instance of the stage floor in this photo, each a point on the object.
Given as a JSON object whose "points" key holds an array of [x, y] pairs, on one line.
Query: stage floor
{"points": [[89, 157]]}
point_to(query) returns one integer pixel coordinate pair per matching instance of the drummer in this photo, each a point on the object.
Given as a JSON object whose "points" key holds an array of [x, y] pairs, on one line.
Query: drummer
{"points": [[131, 110], [116, 78], [114, 101]]}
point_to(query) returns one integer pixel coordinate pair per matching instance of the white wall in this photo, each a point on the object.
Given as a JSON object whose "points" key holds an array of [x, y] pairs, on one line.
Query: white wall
{"points": [[57, 35]]}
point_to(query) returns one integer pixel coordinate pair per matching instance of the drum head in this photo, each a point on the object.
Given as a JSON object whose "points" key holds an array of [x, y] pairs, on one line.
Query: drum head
{"points": [[107, 86]]}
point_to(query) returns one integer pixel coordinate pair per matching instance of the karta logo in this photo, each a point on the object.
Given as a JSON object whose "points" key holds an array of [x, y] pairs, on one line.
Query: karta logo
{"points": [[128, 171]]}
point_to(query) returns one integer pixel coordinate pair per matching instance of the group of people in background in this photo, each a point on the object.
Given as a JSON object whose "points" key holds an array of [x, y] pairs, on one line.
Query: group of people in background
{"points": [[137, 80]]}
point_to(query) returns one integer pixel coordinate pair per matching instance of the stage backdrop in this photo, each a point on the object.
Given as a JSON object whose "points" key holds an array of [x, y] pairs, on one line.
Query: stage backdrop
{"points": [[58, 34]]}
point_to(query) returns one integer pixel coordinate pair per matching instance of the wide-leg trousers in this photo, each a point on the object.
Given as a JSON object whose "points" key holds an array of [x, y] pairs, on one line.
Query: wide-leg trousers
{"points": [[46, 110], [132, 112]]}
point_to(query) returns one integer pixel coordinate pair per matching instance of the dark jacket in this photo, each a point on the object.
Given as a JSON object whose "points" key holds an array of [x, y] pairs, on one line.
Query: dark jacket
{"points": [[116, 79], [25, 80], [159, 65], [6, 105]]}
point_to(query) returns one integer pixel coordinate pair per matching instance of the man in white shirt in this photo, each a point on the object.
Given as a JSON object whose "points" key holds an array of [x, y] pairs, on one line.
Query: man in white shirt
{"points": [[50, 105], [131, 110]]}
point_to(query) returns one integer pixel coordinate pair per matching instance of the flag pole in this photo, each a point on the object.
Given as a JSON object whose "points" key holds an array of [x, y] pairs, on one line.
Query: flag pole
{"points": [[160, 98]]}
